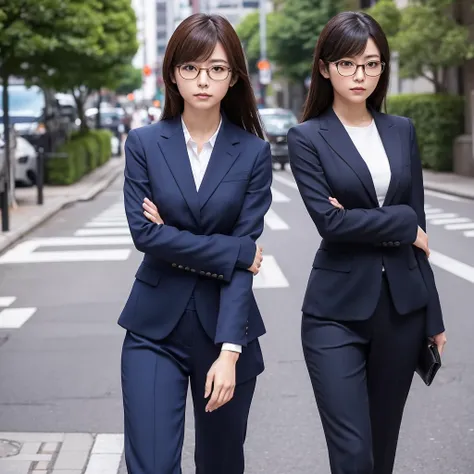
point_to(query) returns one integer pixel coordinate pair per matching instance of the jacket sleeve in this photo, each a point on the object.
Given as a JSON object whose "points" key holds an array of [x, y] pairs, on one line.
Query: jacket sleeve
{"points": [[434, 314], [236, 295], [396, 223], [215, 254]]}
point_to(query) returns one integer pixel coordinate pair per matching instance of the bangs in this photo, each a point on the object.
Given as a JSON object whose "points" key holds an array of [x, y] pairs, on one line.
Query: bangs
{"points": [[350, 42], [198, 44]]}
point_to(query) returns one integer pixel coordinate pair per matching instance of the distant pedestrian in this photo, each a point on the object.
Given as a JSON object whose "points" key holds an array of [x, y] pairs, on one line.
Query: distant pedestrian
{"points": [[197, 188], [371, 302]]}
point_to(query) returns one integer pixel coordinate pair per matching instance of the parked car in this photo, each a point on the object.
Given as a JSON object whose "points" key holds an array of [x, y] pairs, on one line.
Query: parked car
{"points": [[25, 162], [110, 119], [276, 123], [36, 115]]}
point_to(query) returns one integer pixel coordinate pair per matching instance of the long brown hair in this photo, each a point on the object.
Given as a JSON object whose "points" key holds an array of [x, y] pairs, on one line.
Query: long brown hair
{"points": [[194, 40], [345, 35]]}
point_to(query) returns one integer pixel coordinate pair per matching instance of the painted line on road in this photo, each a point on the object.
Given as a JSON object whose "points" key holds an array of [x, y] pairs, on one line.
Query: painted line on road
{"points": [[107, 224], [274, 221], [278, 196], [431, 210], [285, 181], [103, 232], [469, 233], [448, 197], [7, 300], [446, 215], [452, 220], [270, 275], [451, 265], [14, 318], [468, 226], [106, 454]]}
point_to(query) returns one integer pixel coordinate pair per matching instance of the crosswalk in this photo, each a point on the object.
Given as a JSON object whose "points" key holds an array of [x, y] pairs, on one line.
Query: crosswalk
{"points": [[449, 220], [13, 317]]}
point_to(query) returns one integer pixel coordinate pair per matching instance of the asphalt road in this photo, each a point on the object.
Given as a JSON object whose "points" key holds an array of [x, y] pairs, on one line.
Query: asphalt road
{"points": [[60, 345]]}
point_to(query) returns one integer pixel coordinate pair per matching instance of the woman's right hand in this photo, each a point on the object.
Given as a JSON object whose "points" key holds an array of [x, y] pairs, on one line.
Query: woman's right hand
{"points": [[257, 262], [422, 241]]}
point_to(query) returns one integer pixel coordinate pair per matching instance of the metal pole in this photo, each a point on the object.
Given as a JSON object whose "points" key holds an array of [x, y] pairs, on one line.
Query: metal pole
{"points": [[4, 204], [263, 42], [40, 175]]}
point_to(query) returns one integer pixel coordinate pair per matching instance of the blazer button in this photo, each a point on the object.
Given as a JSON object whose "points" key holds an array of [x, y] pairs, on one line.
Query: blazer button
{"points": [[202, 273], [220, 277], [187, 269], [384, 244], [174, 265], [390, 244], [208, 274], [180, 267], [193, 270], [397, 243], [214, 275]]}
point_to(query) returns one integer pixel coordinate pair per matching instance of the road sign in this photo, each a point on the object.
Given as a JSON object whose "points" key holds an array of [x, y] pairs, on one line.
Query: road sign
{"points": [[265, 76]]}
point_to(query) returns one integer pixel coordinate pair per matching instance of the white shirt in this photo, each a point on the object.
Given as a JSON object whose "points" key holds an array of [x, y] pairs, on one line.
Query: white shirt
{"points": [[199, 163], [369, 145]]}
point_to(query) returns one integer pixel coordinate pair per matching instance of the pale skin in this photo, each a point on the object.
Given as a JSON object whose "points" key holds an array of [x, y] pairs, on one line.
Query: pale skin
{"points": [[202, 116], [351, 108]]}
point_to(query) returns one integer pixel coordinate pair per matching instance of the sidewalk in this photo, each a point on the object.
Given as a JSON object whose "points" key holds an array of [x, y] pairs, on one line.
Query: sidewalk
{"points": [[28, 215], [449, 183]]}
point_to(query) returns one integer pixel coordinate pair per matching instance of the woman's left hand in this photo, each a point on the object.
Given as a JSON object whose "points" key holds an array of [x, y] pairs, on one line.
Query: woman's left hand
{"points": [[151, 212], [335, 203], [220, 380], [440, 340]]}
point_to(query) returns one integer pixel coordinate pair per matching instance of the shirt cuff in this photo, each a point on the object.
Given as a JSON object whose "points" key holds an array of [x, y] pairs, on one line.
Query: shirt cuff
{"points": [[227, 346]]}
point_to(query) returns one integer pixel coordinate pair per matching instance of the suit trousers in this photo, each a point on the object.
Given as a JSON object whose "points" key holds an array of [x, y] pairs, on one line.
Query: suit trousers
{"points": [[155, 378], [361, 373]]}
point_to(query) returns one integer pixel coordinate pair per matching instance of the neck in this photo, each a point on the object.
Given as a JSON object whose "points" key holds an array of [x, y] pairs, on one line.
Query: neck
{"points": [[351, 114], [201, 124]]}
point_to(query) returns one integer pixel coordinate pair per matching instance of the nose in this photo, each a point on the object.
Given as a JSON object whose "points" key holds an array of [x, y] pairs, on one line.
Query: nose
{"points": [[360, 73], [203, 78]]}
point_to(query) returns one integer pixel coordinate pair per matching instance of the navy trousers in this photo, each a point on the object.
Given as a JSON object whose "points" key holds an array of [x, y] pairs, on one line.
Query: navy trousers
{"points": [[361, 373], [155, 378]]}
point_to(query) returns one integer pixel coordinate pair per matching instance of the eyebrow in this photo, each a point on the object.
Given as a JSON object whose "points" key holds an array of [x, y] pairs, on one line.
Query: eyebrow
{"points": [[213, 61], [372, 56]]}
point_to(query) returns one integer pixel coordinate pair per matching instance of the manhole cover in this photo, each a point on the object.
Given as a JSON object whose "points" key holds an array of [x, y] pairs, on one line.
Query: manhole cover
{"points": [[9, 448]]}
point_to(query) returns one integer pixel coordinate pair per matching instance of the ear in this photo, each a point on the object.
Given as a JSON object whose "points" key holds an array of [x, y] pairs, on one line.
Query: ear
{"points": [[173, 77], [234, 80], [323, 69]]}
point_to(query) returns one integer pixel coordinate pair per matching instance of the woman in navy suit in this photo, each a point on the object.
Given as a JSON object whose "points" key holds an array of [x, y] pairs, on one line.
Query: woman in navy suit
{"points": [[197, 187], [371, 299]]}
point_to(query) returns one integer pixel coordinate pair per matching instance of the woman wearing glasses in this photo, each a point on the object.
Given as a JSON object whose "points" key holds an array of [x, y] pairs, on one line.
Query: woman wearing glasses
{"points": [[371, 299], [197, 187]]}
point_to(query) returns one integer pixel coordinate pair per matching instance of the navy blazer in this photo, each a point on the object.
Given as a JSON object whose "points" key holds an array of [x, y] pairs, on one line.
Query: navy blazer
{"points": [[346, 275], [208, 238]]}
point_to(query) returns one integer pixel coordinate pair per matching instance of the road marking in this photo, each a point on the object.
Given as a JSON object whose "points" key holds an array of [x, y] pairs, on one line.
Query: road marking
{"points": [[107, 231], [278, 196], [14, 318], [448, 197], [470, 225], [7, 300], [270, 275], [469, 233], [110, 219], [452, 265], [107, 224], [430, 210], [106, 454], [446, 215], [453, 220], [274, 221], [285, 181], [25, 251]]}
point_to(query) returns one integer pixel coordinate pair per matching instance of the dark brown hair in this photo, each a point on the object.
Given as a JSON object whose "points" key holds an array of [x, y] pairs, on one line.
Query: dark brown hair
{"points": [[345, 35], [194, 40]]}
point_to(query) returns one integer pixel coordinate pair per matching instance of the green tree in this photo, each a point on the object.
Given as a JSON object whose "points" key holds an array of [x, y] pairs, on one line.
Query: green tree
{"points": [[427, 38], [294, 33], [129, 80]]}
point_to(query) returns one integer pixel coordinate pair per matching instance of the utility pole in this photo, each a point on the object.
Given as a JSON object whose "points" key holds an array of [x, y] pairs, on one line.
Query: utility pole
{"points": [[263, 64]]}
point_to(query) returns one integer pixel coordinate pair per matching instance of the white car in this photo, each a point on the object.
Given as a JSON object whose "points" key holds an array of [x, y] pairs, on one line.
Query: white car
{"points": [[25, 162]]}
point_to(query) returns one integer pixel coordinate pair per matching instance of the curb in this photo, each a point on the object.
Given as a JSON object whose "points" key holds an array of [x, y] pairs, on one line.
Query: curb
{"points": [[435, 187], [36, 222]]}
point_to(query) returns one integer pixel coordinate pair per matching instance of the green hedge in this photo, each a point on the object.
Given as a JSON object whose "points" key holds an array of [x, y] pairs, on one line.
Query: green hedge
{"points": [[438, 119], [85, 152]]}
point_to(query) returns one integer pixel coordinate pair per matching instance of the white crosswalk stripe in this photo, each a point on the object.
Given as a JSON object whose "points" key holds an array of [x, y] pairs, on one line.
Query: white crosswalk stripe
{"points": [[452, 220], [274, 221], [13, 318], [278, 196]]}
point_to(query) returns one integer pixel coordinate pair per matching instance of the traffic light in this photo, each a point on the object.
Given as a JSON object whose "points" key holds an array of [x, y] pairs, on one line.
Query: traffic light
{"points": [[146, 70]]}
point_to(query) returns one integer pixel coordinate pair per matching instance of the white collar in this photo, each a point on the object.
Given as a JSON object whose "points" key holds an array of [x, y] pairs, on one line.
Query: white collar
{"points": [[188, 138]]}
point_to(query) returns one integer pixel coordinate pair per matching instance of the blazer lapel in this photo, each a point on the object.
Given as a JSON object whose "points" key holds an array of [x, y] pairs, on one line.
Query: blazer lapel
{"points": [[338, 139], [174, 150], [391, 141], [224, 154]]}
